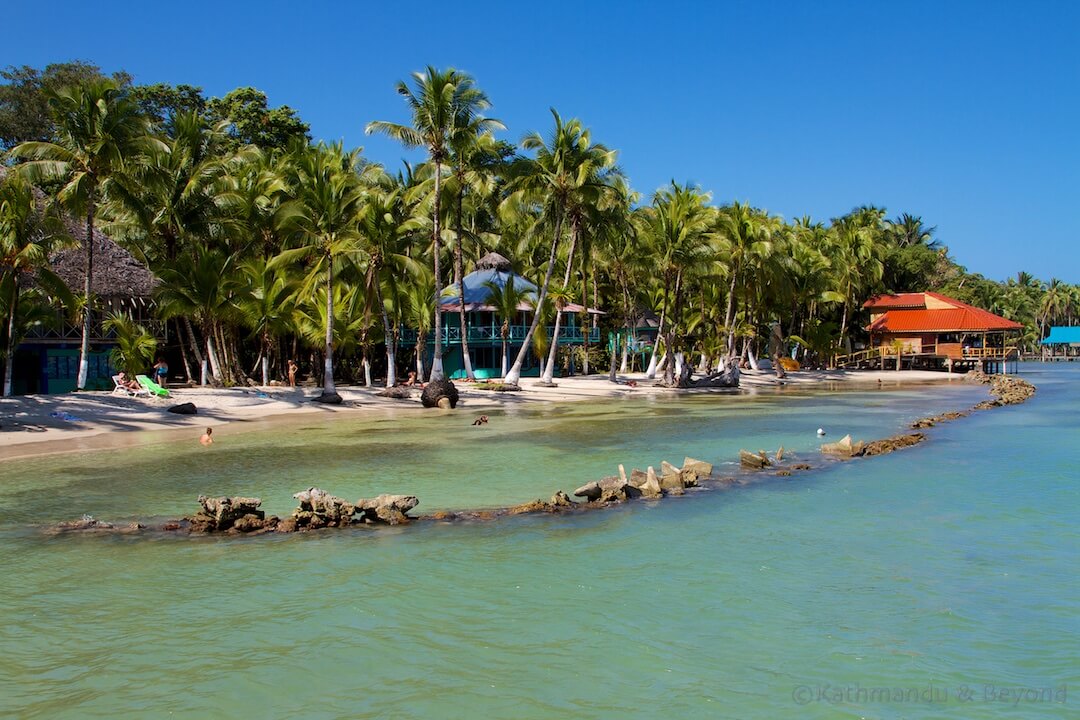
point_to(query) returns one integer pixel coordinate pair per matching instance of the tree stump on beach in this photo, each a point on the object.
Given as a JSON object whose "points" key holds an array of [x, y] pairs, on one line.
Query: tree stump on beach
{"points": [[437, 390]]}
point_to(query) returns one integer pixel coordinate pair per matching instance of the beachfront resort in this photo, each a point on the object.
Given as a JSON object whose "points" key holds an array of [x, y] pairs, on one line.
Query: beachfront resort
{"points": [[481, 419]]}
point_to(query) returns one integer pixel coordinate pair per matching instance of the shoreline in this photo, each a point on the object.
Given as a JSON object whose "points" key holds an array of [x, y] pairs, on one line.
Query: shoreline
{"points": [[39, 425], [319, 510]]}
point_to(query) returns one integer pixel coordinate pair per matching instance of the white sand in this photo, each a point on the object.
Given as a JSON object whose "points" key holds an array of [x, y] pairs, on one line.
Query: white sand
{"points": [[43, 424]]}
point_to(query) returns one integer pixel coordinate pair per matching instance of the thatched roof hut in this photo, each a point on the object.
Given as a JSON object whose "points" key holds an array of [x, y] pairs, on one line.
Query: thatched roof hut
{"points": [[494, 261], [117, 273]]}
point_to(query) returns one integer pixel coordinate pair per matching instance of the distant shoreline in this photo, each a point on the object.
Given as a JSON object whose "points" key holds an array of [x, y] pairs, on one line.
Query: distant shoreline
{"points": [[39, 425]]}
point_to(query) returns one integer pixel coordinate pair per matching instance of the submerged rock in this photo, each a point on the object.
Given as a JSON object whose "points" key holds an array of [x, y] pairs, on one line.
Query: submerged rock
{"points": [[843, 447], [386, 509], [888, 445], [319, 509], [218, 514]]}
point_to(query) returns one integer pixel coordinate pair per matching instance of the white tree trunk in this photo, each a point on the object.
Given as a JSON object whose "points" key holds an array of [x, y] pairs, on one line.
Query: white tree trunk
{"points": [[367, 372], [391, 365], [265, 370], [625, 354], [751, 357], [549, 374], [215, 366], [203, 378]]}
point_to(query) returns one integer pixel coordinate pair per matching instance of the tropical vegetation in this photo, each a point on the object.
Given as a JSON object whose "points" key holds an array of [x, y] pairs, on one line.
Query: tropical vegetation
{"points": [[268, 247]]}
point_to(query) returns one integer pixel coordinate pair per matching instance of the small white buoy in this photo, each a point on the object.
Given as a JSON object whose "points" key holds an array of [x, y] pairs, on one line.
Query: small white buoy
{"points": [[821, 431]]}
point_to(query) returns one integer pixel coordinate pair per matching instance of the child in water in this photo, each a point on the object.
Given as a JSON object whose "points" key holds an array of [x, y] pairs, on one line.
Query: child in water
{"points": [[206, 439]]}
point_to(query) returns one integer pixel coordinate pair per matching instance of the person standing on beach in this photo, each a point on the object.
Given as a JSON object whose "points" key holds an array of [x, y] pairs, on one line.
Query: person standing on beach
{"points": [[161, 371], [292, 373], [207, 438]]}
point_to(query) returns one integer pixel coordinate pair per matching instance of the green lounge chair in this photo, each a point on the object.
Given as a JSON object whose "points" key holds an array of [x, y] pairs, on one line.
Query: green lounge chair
{"points": [[152, 387]]}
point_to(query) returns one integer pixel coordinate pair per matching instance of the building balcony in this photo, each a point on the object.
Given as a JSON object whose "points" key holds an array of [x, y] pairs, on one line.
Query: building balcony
{"points": [[488, 335]]}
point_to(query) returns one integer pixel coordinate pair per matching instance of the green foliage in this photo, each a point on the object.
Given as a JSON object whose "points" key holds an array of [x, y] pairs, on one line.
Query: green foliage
{"points": [[251, 121], [24, 99], [135, 345], [162, 102]]}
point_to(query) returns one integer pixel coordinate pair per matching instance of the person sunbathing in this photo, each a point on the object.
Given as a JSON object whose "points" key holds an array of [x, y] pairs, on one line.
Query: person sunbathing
{"points": [[127, 383]]}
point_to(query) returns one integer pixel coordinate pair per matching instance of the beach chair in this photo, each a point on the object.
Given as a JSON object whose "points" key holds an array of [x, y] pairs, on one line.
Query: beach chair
{"points": [[151, 387], [121, 389]]}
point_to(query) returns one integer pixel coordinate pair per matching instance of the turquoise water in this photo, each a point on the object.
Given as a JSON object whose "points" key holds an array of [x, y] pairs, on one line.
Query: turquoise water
{"points": [[946, 566]]}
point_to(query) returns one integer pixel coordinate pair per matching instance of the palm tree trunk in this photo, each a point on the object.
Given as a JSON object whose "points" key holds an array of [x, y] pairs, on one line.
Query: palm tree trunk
{"points": [[9, 351], [195, 347], [391, 344], [550, 369], [328, 361], [459, 271], [436, 361], [729, 316], [84, 348], [266, 359], [514, 375], [421, 341]]}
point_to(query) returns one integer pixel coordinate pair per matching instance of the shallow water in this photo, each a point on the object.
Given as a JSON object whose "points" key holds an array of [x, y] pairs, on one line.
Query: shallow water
{"points": [[951, 564]]}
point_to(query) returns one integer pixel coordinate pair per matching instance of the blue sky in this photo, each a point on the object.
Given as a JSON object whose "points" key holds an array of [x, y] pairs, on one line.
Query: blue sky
{"points": [[965, 113]]}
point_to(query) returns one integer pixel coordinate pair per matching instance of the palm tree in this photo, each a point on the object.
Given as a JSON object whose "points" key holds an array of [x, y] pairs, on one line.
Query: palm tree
{"points": [[443, 104], [385, 226], [100, 136], [322, 218], [27, 237], [474, 158], [568, 173], [200, 285], [743, 232], [677, 227], [135, 345], [506, 301], [909, 230], [266, 305]]}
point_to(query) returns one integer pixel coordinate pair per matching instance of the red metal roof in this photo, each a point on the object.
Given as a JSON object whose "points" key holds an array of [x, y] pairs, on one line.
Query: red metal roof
{"points": [[896, 300], [961, 319]]}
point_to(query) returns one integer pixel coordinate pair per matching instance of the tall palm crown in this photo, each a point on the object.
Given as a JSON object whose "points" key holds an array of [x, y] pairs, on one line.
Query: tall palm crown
{"points": [[443, 103], [101, 135], [568, 173], [322, 219]]}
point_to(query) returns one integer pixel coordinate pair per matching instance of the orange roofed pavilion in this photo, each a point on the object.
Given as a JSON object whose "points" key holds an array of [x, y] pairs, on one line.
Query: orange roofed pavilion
{"points": [[939, 330]]}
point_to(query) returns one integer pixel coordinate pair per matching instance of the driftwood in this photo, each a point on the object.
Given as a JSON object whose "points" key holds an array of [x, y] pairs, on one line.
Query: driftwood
{"points": [[728, 378]]}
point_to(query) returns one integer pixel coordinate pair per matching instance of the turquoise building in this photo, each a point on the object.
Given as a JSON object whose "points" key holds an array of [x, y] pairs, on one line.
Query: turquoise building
{"points": [[484, 327]]}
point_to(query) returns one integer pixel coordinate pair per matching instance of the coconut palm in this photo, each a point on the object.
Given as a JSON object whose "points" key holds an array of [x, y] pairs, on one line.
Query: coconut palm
{"points": [[678, 228], [266, 305], [322, 220], [135, 345], [28, 234], [200, 285], [101, 136], [443, 104], [568, 172], [385, 227], [474, 160]]}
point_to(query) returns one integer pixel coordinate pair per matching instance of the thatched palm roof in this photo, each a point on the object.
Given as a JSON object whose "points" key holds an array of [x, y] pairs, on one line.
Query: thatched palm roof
{"points": [[116, 271], [494, 261]]}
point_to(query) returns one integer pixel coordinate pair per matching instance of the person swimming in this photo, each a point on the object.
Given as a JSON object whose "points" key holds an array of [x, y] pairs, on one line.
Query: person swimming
{"points": [[482, 420], [207, 438]]}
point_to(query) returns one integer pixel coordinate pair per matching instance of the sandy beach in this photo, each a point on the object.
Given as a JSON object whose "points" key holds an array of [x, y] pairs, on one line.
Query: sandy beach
{"points": [[46, 424]]}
